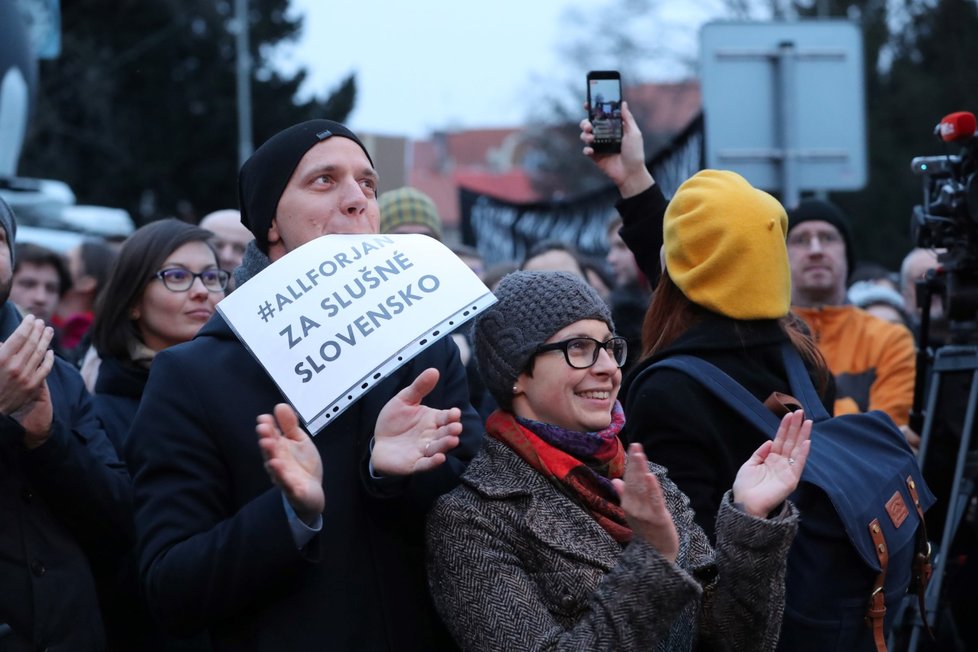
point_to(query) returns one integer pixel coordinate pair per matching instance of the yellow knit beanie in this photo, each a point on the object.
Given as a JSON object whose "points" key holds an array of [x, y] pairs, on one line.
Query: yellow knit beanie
{"points": [[725, 246]]}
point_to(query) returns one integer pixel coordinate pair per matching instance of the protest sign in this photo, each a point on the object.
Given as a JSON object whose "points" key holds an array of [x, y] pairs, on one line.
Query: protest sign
{"points": [[332, 318]]}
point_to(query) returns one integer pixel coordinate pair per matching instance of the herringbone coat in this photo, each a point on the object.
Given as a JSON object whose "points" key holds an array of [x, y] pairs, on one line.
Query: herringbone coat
{"points": [[514, 564]]}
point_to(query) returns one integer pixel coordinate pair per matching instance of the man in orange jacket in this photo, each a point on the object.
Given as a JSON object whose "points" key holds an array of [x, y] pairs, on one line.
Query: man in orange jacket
{"points": [[872, 360]]}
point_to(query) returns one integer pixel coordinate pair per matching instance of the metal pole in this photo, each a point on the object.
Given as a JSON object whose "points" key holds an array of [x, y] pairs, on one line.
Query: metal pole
{"points": [[245, 146], [785, 97]]}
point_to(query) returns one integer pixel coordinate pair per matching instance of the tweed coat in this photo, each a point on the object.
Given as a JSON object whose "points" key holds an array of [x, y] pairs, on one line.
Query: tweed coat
{"points": [[514, 564]]}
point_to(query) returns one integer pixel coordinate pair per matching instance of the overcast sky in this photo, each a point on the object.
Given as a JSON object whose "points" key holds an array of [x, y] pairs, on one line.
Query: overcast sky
{"points": [[441, 64], [430, 64]]}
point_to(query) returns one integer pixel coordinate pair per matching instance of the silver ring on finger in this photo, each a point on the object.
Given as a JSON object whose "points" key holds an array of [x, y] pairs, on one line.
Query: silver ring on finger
{"points": [[428, 445], [791, 460]]}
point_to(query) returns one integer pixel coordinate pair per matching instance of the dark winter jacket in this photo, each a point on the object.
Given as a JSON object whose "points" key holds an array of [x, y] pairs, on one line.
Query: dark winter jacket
{"points": [[117, 392], [681, 425], [62, 505], [215, 546]]}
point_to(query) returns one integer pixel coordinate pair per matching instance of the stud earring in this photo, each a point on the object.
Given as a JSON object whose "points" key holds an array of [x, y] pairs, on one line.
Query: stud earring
{"points": [[516, 390]]}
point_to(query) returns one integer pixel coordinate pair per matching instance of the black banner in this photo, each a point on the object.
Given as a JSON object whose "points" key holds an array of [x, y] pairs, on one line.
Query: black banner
{"points": [[503, 230]]}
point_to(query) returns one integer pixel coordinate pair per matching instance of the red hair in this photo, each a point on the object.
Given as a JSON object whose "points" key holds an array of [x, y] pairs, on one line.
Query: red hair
{"points": [[671, 313]]}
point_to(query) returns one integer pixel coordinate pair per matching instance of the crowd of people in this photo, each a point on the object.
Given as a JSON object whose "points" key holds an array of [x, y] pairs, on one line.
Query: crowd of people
{"points": [[508, 488]]}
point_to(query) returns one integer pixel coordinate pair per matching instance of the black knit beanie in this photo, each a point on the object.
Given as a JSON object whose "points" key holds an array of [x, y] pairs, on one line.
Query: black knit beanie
{"points": [[265, 174], [530, 308], [9, 225], [826, 211]]}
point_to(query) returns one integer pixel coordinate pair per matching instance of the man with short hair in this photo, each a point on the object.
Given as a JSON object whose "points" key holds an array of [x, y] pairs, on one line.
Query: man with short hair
{"points": [[230, 238], [629, 298], [89, 264], [265, 546], [40, 280], [872, 360], [65, 500], [914, 268]]}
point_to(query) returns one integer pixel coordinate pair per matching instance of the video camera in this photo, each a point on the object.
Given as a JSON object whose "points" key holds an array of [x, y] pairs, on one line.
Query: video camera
{"points": [[948, 219]]}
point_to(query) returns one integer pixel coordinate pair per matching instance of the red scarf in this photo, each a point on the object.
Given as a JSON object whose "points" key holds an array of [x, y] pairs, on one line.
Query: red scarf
{"points": [[589, 485]]}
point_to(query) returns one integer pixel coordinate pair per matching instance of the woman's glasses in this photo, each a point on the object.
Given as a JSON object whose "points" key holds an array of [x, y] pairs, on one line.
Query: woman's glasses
{"points": [[582, 352], [177, 279]]}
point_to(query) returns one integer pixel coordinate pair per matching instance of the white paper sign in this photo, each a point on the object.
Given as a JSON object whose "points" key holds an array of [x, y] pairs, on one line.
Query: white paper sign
{"points": [[332, 318]]}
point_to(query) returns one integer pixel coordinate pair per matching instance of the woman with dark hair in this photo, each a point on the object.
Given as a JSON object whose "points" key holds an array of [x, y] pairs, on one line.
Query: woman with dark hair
{"points": [[557, 539], [718, 261], [162, 288]]}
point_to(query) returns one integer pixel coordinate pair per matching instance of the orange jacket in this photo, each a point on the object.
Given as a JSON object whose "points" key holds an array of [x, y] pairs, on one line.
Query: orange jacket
{"points": [[872, 360]]}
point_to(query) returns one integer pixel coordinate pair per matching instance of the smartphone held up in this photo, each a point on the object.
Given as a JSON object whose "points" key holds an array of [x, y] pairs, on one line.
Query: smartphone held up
{"points": [[604, 110]]}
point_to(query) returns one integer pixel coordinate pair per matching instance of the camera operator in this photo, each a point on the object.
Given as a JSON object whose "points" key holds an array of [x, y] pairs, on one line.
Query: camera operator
{"points": [[941, 278], [942, 450]]}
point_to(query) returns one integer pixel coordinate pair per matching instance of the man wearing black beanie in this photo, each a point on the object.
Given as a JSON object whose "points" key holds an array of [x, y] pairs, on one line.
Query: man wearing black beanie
{"points": [[872, 360], [246, 549], [65, 497]]}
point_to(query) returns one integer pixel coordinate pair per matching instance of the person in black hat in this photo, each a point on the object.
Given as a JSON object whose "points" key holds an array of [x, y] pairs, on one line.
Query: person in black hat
{"points": [[294, 543], [65, 501], [872, 360]]}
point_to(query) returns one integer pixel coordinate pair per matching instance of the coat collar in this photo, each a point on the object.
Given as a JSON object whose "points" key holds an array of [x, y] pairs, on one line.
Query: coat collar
{"points": [[499, 474]]}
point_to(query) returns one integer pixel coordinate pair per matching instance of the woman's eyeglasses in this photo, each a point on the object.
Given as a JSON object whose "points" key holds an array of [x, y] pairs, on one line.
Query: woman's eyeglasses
{"points": [[177, 279], [582, 352]]}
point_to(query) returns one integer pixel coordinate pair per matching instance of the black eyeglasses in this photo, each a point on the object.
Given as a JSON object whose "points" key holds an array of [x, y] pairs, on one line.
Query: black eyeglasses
{"points": [[177, 279], [582, 352]]}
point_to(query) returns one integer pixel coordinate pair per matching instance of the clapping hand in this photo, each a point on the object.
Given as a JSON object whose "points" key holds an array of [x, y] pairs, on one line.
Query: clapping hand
{"points": [[773, 471], [410, 437], [25, 362], [645, 506], [292, 461]]}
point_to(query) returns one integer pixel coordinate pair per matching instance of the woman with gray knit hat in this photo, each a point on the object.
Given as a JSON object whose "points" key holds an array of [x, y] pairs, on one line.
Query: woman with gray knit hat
{"points": [[556, 538]]}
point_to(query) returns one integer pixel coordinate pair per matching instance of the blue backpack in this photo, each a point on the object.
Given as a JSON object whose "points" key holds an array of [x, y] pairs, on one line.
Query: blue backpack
{"points": [[861, 543]]}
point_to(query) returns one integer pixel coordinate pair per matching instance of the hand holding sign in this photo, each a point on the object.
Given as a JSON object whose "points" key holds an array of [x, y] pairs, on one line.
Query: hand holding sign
{"points": [[410, 437], [292, 461]]}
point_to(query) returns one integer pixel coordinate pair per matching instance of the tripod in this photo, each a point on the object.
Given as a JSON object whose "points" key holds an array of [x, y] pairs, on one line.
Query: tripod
{"points": [[948, 359]]}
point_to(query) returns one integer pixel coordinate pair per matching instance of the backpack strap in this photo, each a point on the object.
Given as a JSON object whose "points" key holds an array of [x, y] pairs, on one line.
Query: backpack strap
{"points": [[722, 386], [876, 609], [801, 384], [922, 567]]}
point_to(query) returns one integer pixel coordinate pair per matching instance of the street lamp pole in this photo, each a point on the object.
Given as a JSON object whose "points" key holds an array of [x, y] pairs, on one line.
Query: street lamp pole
{"points": [[245, 146]]}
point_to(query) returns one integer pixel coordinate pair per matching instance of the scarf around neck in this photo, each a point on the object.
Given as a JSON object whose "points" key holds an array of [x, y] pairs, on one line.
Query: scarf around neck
{"points": [[580, 464]]}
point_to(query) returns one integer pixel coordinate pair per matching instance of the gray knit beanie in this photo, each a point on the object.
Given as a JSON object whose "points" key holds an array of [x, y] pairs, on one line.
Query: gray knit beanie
{"points": [[530, 308], [9, 225]]}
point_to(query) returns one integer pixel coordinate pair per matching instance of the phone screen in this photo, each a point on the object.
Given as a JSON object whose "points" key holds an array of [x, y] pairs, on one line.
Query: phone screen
{"points": [[604, 100]]}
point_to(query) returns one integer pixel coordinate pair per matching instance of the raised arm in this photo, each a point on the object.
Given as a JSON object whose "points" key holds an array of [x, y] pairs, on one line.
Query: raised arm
{"points": [[642, 205]]}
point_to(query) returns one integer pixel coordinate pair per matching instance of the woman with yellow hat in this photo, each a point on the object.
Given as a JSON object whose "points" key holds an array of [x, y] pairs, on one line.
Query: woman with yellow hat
{"points": [[722, 294]]}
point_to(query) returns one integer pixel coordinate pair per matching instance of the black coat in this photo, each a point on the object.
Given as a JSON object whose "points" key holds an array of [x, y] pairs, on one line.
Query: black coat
{"points": [[215, 546], [117, 392], [61, 503], [128, 624], [683, 427]]}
